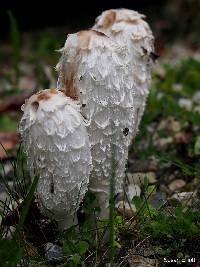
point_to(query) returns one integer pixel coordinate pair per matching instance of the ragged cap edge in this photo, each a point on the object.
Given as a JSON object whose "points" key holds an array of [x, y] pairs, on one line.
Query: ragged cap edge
{"points": [[42, 95], [67, 70], [109, 17], [85, 38]]}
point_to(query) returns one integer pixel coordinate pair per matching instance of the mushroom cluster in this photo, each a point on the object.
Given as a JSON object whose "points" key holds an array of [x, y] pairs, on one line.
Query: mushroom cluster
{"points": [[70, 133]]}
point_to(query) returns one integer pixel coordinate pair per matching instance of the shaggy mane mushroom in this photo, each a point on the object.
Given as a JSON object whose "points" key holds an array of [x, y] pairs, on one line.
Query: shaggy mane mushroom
{"points": [[57, 147], [98, 66], [129, 29]]}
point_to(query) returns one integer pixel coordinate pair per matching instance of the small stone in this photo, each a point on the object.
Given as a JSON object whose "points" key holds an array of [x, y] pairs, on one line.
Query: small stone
{"points": [[139, 261], [149, 165], [185, 103], [151, 127], [174, 125], [171, 124], [163, 188], [184, 197], [7, 169], [158, 199], [163, 143], [197, 108], [159, 70], [4, 196], [177, 87], [176, 185], [160, 95], [183, 137], [133, 190], [53, 252], [151, 176], [138, 177], [145, 251], [125, 208], [8, 234], [196, 97]]}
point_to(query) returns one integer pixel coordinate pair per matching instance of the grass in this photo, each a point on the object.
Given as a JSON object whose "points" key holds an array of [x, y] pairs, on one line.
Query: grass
{"points": [[15, 40], [112, 209], [10, 257]]}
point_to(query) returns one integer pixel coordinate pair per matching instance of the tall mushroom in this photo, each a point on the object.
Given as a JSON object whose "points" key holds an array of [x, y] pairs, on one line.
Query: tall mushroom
{"points": [[129, 29], [92, 69], [57, 146]]}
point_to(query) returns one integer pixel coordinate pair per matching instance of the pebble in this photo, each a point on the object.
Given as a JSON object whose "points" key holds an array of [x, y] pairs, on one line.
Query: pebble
{"points": [[197, 108], [6, 170], [163, 143], [163, 188], [170, 124], [183, 197], [185, 103], [145, 251], [138, 177], [133, 190], [159, 70], [176, 185], [125, 208], [158, 199], [149, 165], [53, 252], [4, 196], [177, 87], [140, 261], [196, 97]]}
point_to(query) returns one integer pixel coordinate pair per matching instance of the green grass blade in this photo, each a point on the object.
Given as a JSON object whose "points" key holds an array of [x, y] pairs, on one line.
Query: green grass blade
{"points": [[112, 211], [27, 204], [15, 40]]}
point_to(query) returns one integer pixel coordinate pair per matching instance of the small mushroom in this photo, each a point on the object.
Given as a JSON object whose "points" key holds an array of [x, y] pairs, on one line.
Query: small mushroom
{"points": [[57, 147]]}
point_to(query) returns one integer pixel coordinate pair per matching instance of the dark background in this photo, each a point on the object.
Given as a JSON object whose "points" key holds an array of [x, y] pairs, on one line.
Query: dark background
{"points": [[34, 15]]}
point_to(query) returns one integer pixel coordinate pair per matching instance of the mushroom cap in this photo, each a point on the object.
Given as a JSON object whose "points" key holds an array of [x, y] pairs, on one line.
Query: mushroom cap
{"points": [[95, 65], [115, 21], [129, 29], [57, 146]]}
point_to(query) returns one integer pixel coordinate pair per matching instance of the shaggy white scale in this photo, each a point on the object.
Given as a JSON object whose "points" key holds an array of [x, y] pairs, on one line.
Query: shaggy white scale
{"points": [[57, 146]]}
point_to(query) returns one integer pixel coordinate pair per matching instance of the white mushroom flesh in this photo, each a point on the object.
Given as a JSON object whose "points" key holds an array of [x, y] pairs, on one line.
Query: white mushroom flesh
{"points": [[129, 29], [57, 147], [92, 69]]}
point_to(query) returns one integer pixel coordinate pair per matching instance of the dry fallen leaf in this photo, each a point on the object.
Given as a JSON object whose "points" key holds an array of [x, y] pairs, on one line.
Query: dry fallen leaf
{"points": [[8, 140], [14, 102]]}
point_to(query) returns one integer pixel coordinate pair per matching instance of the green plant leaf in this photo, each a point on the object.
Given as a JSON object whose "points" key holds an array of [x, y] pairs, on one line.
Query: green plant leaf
{"points": [[197, 146], [75, 259], [82, 247]]}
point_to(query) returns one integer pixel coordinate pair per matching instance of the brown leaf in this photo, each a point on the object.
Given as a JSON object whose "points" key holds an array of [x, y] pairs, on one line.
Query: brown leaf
{"points": [[8, 140], [183, 137], [14, 102]]}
